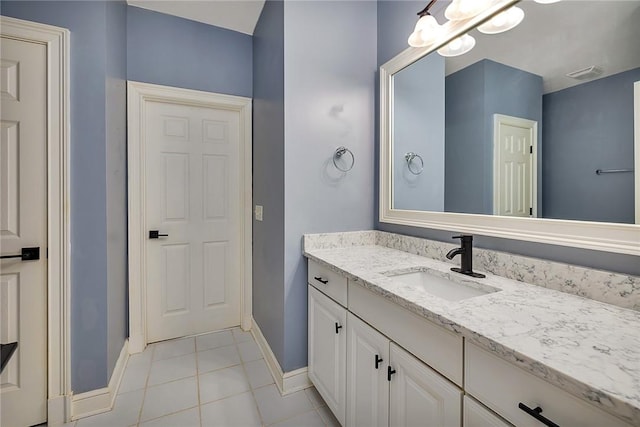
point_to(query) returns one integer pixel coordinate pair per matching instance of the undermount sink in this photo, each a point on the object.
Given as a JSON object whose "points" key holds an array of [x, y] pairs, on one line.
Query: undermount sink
{"points": [[443, 287]]}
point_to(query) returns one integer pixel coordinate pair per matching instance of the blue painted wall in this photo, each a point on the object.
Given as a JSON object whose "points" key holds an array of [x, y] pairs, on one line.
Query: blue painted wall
{"points": [[395, 22], [419, 128], [172, 51], [116, 170], [473, 95], [600, 137], [268, 175], [330, 64], [111, 42], [89, 299]]}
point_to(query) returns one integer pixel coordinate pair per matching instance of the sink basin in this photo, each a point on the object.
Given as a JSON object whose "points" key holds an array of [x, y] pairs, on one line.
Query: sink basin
{"points": [[443, 287]]}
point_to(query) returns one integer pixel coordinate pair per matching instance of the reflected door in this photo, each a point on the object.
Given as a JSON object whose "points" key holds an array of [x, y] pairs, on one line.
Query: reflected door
{"points": [[192, 187], [514, 169]]}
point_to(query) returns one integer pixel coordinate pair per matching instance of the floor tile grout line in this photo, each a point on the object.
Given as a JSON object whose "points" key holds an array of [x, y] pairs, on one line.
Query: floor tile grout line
{"points": [[195, 344], [144, 393], [253, 396], [167, 415]]}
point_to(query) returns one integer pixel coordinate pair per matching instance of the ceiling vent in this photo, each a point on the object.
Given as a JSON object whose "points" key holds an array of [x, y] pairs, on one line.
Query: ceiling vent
{"points": [[586, 73]]}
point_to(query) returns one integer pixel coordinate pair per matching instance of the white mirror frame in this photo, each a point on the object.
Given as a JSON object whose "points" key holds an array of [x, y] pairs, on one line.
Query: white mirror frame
{"points": [[601, 236]]}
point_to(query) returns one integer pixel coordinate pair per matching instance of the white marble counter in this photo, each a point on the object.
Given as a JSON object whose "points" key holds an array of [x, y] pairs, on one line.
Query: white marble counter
{"points": [[585, 347]]}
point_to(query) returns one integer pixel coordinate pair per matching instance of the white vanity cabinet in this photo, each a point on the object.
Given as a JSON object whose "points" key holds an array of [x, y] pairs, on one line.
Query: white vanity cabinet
{"points": [[476, 415], [327, 350], [419, 396], [387, 386], [367, 384]]}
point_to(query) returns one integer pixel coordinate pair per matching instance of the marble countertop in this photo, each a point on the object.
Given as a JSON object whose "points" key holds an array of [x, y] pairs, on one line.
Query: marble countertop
{"points": [[587, 348]]}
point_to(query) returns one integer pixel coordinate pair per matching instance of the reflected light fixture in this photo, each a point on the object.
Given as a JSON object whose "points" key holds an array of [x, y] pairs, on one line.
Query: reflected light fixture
{"points": [[458, 46], [465, 9], [546, 1], [504, 21], [427, 28]]}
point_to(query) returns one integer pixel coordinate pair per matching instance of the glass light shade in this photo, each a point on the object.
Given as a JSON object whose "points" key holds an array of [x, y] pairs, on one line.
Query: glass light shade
{"points": [[503, 21], [458, 46], [426, 31], [465, 9]]}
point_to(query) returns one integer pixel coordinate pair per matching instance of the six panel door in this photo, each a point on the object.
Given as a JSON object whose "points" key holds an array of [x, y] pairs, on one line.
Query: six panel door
{"points": [[23, 223], [192, 201]]}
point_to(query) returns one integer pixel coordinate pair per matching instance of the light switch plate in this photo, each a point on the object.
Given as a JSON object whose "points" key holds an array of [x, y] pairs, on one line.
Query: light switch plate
{"points": [[258, 213]]}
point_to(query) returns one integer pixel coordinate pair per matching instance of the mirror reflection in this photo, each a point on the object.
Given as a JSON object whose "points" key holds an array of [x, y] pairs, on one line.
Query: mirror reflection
{"points": [[521, 124]]}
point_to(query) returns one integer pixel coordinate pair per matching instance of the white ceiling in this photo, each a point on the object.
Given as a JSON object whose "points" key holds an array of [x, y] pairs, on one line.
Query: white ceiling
{"points": [[556, 39], [237, 15]]}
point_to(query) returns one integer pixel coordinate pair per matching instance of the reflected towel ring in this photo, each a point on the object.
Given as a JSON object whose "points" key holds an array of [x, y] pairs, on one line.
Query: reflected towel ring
{"points": [[340, 151], [409, 158]]}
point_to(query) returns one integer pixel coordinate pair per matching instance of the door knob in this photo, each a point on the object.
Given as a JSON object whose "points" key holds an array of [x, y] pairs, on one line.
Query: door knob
{"points": [[26, 254], [155, 234]]}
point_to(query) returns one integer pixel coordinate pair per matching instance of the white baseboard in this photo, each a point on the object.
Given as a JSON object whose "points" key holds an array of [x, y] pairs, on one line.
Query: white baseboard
{"points": [[288, 382], [101, 400]]}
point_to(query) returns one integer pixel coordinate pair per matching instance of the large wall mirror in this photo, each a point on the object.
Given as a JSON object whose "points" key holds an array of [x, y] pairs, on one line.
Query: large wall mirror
{"points": [[533, 134]]}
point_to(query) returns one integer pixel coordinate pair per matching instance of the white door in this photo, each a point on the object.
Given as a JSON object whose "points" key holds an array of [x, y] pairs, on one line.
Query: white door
{"points": [[476, 415], [419, 396], [367, 385], [23, 224], [328, 351], [192, 187], [515, 167]]}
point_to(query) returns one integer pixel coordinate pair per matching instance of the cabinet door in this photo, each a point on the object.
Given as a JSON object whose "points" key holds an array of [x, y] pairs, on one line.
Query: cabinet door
{"points": [[418, 395], [328, 350], [476, 415], [367, 385]]}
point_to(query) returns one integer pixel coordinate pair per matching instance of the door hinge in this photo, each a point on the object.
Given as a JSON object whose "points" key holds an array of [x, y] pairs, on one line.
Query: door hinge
{"points": [[531, 149], [531, 211]]}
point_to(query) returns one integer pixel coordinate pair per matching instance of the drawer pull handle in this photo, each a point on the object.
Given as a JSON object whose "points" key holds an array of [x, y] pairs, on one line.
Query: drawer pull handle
{"points": [[390, 372], [319, 279], [378, 361], [537, 414], [338, 327]]}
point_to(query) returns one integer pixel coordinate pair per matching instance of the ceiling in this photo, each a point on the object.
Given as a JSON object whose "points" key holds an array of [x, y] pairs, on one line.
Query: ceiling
{"points": [[237, 15], [556, 39]]}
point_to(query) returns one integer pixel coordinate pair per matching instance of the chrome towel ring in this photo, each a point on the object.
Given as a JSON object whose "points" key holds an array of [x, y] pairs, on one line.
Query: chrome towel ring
{"points": [[341, 151], [409, 157]]}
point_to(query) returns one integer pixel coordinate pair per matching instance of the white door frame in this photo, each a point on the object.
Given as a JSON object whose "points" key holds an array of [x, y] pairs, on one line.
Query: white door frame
{"points": [[636, 146], [138, 94], [499, 119], [56, 41]]}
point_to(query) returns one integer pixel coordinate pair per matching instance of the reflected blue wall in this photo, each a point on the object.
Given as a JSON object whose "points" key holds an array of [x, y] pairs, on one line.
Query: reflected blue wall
{"points": [[589, 127]]}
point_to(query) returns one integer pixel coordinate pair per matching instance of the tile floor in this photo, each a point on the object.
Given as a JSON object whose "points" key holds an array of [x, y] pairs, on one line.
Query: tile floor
{"points": [[218, 379]]}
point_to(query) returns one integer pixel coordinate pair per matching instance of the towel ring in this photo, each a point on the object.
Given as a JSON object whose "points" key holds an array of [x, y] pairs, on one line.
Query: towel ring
{"points": [[340, 151], [409, 158]]}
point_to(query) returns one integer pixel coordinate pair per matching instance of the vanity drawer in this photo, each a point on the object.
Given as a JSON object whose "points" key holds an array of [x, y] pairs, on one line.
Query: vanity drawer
{"points": [[328, 282], [502, 386], [434, 345]]}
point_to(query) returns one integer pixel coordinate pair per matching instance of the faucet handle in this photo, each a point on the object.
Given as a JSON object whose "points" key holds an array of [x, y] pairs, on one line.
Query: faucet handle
{"points": [[463, 236]]}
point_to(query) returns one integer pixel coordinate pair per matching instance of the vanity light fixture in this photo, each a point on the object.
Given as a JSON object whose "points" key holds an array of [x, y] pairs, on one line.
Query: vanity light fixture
{"points": [[458, 46], [503, 21], [426, 30], [465, 9], [546, 1]]}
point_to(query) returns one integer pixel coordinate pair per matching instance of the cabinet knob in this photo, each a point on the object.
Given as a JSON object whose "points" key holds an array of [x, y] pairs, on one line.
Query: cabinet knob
{"points": [[378, 361], [338, 327], [390, 372]]}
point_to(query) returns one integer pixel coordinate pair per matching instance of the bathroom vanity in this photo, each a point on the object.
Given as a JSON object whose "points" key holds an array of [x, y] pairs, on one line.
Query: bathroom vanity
{"points": [[396, 338]]}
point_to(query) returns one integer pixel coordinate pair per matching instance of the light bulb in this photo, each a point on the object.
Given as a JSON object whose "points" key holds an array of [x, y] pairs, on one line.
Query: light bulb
{"points": [[458, 46], [503, 21], [425, 32], [465, 9]]}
